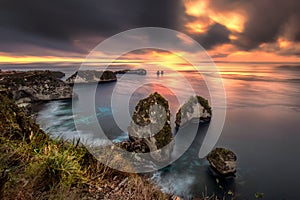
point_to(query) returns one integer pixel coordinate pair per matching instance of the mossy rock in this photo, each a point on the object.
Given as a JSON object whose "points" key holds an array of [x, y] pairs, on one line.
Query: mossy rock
{"points": [[223, 161], [150, 128]]}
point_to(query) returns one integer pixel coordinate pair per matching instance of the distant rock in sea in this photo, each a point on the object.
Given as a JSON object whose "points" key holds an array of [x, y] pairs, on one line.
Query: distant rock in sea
{"points": [[150, 130], [223, 161], [196, 109], [91, 76], [34, 86], [132, 71]]}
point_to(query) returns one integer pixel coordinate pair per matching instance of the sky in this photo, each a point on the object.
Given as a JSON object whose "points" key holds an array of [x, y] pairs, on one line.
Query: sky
{"points": [[230, 30]]}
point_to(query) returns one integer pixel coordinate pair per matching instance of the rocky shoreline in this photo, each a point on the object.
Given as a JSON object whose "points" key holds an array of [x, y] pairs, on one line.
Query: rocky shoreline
{"points": [[150, 128]]}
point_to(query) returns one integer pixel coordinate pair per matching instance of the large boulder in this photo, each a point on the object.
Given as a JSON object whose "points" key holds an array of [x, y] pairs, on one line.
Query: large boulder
{"points": [[150, 129], [91, 76], [33, 86], [196, 109], [223, 161]]}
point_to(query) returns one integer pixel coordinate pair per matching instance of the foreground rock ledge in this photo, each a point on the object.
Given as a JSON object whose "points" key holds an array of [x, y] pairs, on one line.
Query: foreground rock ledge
{"points": [[223, 161], [196, 109], [150, 129]]}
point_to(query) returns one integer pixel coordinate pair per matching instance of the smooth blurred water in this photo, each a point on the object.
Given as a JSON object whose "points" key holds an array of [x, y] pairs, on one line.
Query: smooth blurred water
{"points": [[262, 127]]}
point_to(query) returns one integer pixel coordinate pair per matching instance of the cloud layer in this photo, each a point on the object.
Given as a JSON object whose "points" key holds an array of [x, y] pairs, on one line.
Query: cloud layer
{"points": [[38, 27]]}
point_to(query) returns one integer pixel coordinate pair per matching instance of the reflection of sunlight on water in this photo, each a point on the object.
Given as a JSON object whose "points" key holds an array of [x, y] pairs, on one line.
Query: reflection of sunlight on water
{"points": [[263, 113]]}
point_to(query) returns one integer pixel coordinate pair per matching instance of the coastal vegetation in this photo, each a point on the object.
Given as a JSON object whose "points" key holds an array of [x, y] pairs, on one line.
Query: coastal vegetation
{"points": [[34, 166]]}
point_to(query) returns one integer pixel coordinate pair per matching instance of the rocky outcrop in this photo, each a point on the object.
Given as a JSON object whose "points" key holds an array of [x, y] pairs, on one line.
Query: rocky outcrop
{"points": [[33, 86], [150, 130], [132, 71], [196, 109], [222, 161], [91, 76]]}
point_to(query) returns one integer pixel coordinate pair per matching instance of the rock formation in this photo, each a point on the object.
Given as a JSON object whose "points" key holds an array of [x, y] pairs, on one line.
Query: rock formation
{"points": [[197, 108], [33, 86], [223, 161], [91, 76], [132, 71], [150, 130]]}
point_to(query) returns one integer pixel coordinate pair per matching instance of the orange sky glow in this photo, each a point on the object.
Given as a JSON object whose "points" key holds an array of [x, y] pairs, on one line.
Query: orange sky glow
{"points": [[203, 17]]}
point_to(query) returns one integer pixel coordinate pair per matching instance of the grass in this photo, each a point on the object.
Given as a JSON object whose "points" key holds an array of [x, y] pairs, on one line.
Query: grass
{"points": [[33, 166]]}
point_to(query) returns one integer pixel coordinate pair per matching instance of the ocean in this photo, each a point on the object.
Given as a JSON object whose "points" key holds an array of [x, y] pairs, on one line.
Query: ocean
{"points": [[262, 125]]}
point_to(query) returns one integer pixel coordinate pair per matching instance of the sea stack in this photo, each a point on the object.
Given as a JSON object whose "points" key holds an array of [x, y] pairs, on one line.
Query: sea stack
{"points": [[223, 162], [196, 109], [150, 129]]}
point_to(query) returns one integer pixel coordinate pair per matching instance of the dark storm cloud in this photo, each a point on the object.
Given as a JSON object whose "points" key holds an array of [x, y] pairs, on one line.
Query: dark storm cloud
{"points": [[266, 20], [217, 34], [57, 24]]}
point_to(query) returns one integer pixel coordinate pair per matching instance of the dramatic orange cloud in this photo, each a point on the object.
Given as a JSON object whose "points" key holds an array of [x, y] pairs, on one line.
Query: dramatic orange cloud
{"points": [[205, 16]]}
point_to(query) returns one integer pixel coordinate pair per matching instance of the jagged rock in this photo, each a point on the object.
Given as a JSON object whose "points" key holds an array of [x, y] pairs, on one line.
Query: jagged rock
{"points": [[223, 161], [150, 130], [91, 76], [33, 86], [197, 108], [132, 71]]}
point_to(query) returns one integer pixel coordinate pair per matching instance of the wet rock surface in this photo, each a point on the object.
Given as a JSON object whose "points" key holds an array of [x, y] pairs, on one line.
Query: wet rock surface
{"points": [[196, 109], [223, 161]]}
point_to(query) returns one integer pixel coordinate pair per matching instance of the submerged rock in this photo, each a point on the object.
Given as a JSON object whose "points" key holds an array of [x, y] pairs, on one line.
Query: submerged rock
{"points": [[33, 86], [91, 76], [150, 130], [197, 108], [223, 161]]}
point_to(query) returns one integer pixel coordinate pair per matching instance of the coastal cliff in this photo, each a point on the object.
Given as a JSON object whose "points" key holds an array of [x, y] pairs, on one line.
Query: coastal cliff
{"points": [[91, 76], [34, 86]]}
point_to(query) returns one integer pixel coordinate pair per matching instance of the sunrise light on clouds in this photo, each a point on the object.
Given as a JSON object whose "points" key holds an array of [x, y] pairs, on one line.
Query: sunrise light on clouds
{"points": [[230, 31]]}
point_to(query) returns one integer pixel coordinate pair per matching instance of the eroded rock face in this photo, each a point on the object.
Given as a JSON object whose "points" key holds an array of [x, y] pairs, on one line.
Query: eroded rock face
{"points": [[223, 161], [33, 86], [197, 108], [150, 130], [91, 76]]}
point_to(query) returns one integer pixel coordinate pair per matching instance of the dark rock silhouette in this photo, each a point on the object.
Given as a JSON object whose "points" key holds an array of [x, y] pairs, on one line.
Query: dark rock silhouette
{"points": [[223, 161]]}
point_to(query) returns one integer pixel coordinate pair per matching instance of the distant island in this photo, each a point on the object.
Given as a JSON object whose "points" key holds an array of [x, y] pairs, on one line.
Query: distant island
{"points": [[132, 71], [91, 76]]}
